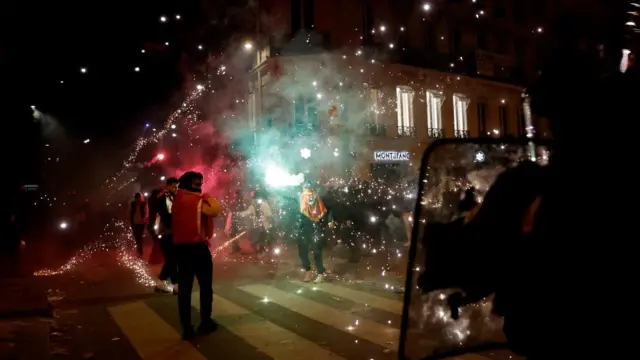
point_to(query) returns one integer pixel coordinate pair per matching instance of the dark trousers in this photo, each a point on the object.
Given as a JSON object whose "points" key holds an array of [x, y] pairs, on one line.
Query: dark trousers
{"points": [[311, 239], [345, 234], [138, 235], [170, 268], [152, 232], [262, 239], [194, 260]]}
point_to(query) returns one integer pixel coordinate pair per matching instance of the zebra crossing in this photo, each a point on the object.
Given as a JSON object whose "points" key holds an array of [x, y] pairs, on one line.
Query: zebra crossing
{"points": [[282, 320]]}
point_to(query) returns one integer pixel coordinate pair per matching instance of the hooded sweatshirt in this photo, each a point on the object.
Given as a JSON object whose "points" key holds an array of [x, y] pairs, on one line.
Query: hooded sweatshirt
{"points": [[192, 217]]}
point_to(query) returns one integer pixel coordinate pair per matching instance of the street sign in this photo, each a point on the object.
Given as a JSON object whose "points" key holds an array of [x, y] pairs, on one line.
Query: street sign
{"points": [[391, 155]]}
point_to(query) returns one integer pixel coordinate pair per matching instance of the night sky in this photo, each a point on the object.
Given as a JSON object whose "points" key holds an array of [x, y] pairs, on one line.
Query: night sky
{"points": [[45, 44]]}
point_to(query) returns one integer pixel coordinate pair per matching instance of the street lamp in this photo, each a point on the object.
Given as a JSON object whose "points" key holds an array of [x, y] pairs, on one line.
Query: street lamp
{"points": [[426, 7], [248, 46]]}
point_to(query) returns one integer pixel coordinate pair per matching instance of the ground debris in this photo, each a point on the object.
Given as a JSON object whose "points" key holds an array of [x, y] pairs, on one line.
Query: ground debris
{"points": [[59, 351], [55, 295]]}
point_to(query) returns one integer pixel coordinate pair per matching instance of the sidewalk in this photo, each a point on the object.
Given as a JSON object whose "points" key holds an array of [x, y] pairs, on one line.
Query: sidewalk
{"points": [[23, 297], [25, 339], [25, 320]]}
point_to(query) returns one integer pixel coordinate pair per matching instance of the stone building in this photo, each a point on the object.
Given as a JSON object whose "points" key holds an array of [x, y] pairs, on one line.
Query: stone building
{"points": [[366, 107], [383, 78]]}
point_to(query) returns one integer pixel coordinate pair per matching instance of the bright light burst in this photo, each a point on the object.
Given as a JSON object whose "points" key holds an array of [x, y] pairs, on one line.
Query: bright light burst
{"points": [[278, 177]]}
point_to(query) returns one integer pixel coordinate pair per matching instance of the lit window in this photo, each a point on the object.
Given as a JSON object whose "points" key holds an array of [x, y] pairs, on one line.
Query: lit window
{"points": [[460, 124], [405, 96], [262, 55], [375, 107], [503, 120], [434, 109], [252, 111]]}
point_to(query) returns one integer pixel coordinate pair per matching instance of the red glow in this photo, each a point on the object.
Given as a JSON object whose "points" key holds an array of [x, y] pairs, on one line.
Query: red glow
{"points": [[160, 156]]}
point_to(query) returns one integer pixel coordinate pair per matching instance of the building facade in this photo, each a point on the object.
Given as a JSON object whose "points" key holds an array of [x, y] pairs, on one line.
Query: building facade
{"points": [[506, 40], [384, 78], [383, 115]]}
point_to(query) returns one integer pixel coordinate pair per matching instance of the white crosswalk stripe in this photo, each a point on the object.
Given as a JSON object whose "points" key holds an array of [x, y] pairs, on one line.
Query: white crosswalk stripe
{"points": [[278, 343], [376, 333], [150, 335], [154, 338], [392, 306]]}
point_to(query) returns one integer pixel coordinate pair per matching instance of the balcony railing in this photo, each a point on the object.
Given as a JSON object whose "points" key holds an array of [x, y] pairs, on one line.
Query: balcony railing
{"points": [[376, 129], [460, 134], [406, 131], [435, 133]]}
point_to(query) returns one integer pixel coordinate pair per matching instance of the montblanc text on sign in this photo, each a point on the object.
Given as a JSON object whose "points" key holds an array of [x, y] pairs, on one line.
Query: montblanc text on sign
{"points": [[391, 155]]}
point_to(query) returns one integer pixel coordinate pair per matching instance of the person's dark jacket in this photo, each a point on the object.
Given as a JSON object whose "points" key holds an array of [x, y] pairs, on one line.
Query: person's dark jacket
{"points": [[164, 213], [154, 203], [142, 208]]}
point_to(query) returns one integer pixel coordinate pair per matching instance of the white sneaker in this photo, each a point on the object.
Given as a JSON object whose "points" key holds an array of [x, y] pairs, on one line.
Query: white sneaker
{"points": [[308, 276], [319, 279], [162, 285]]}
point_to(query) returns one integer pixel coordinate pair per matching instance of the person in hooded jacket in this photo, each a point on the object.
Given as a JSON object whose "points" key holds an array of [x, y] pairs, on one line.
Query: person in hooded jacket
{"points": [[192, 225], [313, 220]]}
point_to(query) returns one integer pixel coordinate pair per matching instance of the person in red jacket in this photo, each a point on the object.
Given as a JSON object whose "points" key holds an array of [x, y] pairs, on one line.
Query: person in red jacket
{"points": [[192, 224]]}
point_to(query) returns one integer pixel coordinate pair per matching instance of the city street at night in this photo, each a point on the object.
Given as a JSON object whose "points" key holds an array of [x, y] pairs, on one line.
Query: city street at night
{"points": [[341, 179], [103, 310]]}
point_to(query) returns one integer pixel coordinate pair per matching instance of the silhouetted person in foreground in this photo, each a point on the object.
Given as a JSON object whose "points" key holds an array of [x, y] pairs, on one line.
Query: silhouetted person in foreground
{"points": [[531, 234]]}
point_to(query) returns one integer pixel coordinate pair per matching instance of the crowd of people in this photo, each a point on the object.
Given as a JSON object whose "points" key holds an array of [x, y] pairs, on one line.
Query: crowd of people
{"points": [[179, 218]]}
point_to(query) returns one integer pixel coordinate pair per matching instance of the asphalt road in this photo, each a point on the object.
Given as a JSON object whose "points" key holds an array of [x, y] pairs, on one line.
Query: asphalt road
{"points": [[262, 316], [104, 308]]}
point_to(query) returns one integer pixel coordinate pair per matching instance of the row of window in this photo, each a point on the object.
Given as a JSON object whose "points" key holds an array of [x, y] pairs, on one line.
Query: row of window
{"points": [[434, 100], [305, 115]]}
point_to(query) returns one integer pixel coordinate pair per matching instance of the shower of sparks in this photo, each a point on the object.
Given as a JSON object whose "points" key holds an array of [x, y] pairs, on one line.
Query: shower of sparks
{"points": [[187, 107], [116, 236]]}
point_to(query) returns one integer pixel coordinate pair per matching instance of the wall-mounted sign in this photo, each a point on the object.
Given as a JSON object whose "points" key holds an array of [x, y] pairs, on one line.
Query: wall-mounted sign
{"points": [[391, 155]]}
